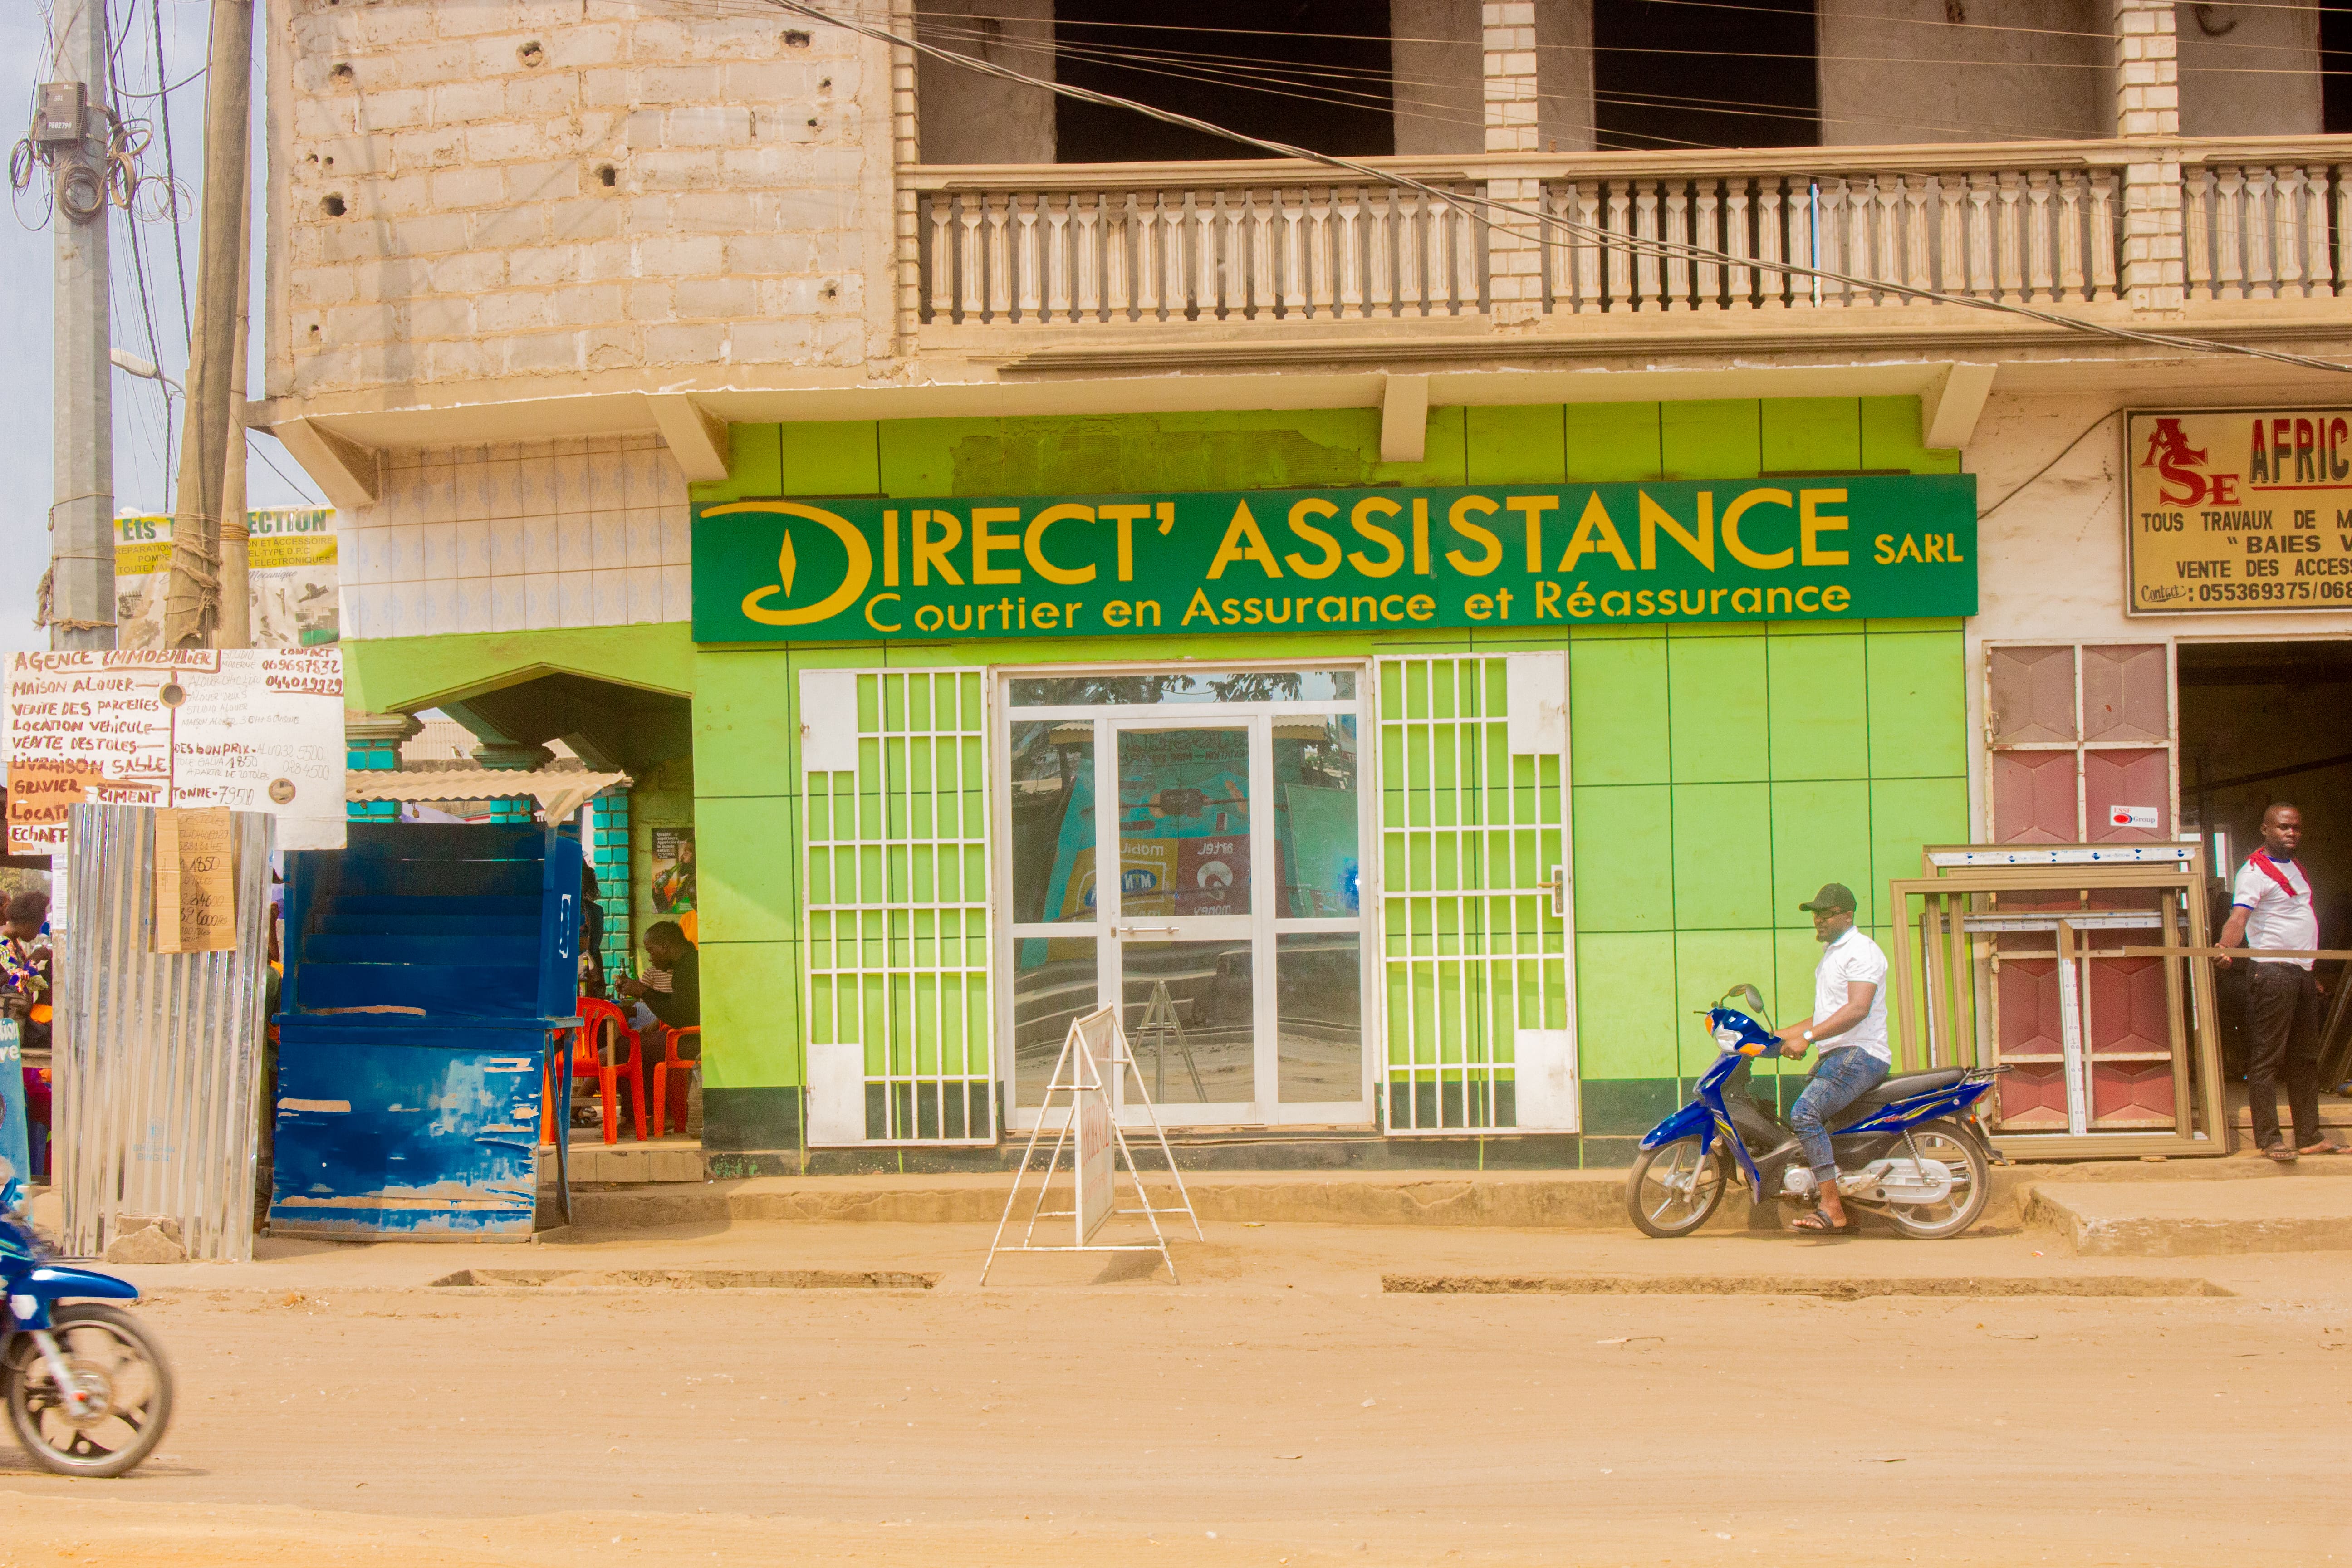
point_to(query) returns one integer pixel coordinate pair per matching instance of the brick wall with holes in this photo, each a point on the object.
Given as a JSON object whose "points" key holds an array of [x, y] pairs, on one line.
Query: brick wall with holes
{"points": [[503, 191]]}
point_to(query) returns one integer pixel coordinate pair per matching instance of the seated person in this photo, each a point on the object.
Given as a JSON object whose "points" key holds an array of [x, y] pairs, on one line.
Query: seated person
{"points": [[671, 988]]}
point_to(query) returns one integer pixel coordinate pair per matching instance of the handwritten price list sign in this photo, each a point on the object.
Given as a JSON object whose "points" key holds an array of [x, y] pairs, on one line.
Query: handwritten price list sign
{"points": [[243, 729]]}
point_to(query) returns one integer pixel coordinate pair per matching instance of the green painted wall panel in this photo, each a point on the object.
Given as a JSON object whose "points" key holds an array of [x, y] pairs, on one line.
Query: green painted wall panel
{"points": [[1905, 813], [1714, 439], [1812, 435], [1625, 1003], [1706, 965], [831, 459], [751, 1014], [1625, 857], [1821, 712], [1611, 442], [1445, 459], [1723, 856], [1890, 439], [1617, 711], [749, 850], [753, 467], [1918, 703], [1820, 832], [1717, 708], [404, 674], [1516, 445]]}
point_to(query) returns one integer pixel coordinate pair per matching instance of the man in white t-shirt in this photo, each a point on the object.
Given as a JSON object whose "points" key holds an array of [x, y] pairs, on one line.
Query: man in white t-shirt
{"points": [[1849, 1009], [2270, 910]]}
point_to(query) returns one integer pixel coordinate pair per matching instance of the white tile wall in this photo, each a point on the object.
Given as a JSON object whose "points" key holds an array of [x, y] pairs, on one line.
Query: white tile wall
{"points": [[585, 533]]}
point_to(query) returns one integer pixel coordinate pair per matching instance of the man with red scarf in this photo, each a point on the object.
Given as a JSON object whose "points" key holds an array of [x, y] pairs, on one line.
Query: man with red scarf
{"points": [[2271, 911]]}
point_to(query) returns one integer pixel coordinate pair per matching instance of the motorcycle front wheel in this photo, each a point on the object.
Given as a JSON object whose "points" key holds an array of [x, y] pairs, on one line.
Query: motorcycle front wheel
{"points": [[1674, 1188], [1948, 1144], [123, 1371]]}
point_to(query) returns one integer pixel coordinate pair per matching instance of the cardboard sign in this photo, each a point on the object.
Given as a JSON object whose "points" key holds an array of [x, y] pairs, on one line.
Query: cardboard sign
{"points": [[2242, 510], [247, 729], [195, 882], [1096, 1168]]}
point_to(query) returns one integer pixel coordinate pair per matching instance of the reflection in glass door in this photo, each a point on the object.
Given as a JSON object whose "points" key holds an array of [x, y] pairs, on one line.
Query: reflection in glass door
{"points": [[1231, 931]]}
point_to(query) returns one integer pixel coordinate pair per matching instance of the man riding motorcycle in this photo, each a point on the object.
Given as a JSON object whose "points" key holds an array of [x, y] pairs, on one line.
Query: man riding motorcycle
{"points": [[1849, 1008]]}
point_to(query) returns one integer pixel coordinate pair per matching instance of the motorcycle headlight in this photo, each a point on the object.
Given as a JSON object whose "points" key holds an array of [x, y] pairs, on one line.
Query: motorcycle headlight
{"points": [[1727, 1039]]}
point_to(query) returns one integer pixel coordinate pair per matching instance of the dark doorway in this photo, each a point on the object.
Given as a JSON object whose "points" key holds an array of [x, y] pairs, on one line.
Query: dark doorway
{"points": [[1312, 73], [2259, 724], [2335, 67], [1668, 74]]}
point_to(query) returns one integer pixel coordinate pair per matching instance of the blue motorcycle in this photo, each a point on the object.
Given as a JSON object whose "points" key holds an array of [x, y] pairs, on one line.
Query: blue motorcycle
{"points": [[1912, 1150], [88, 1394]]}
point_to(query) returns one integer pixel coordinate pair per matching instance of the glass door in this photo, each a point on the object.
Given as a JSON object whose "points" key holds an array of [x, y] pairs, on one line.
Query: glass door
{"points": [[1232, 934]]}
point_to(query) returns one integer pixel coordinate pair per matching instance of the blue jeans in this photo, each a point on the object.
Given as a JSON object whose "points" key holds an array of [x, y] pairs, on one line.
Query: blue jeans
{"points": [[1842, 1076]]}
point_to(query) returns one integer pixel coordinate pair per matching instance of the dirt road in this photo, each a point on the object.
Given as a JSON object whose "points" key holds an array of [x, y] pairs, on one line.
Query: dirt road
{"points": [[1277, 1407]]}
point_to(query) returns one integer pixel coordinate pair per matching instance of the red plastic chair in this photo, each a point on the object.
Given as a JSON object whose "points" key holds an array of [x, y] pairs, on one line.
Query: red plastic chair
{"points": [[605, 1031], [672, 1062]]}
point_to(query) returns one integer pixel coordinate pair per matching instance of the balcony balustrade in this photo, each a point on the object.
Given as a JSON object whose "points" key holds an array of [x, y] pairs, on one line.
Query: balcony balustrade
{"points": [[1066, 250]]}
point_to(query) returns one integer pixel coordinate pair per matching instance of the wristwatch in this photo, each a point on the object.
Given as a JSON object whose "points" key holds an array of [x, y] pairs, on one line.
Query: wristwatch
{"points": [[1808, 1035]]}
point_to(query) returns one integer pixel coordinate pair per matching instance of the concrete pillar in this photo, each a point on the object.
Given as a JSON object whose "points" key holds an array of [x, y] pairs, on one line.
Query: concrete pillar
{"points": [[373, 742], [2147, 109], [1514, 246]]}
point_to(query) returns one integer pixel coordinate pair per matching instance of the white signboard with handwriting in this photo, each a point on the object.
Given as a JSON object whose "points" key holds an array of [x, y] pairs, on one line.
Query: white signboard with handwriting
{"points": [[248, 729]]}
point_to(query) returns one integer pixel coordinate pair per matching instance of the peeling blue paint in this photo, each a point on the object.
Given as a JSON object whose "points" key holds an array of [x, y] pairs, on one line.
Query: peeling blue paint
{"points": [[396, 1124]]}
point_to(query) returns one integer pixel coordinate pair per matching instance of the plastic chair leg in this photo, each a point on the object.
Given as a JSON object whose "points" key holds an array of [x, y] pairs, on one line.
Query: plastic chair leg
{"points": [[607, 1080], [637, 1096]]}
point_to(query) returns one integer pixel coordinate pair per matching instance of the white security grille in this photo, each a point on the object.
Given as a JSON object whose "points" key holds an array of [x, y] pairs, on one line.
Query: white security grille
{"points": [[898, 1018], [1474, 899]]}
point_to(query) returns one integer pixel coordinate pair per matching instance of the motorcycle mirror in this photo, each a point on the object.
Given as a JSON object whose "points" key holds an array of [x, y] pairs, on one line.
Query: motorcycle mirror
{"points": [[1753, 997]]}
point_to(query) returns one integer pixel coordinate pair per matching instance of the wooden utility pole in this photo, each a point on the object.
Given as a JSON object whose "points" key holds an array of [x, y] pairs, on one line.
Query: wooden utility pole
{"points": [[235, 577], [192, 602]]}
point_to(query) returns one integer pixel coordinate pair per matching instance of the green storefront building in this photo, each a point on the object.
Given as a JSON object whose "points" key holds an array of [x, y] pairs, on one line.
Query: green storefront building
{"points": [[1407, 810]]}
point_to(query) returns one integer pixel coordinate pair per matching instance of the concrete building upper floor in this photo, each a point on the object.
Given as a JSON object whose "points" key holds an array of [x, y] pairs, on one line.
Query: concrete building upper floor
{"points": [[505, 219]]}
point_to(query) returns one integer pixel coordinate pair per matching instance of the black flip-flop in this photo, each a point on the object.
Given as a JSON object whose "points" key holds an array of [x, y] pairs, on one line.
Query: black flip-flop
{"points": [[1820, 1225]]}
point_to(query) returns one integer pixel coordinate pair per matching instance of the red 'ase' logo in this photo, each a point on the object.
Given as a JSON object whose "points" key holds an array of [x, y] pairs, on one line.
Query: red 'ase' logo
{"points": [[2176, 463]]}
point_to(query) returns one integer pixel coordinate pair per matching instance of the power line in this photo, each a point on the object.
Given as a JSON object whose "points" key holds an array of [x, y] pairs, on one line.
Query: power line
{"points": [[172, 183], [1670, 249]]}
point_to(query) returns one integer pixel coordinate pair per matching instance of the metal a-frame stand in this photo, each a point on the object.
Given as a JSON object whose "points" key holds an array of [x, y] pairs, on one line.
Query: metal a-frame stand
{"points": [[1159, 1023], [1082, 1086]]}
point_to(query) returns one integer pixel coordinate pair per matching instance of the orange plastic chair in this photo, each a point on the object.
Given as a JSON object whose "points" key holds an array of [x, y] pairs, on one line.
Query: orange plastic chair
{"points": [[604, 1026], [672, 1062]]}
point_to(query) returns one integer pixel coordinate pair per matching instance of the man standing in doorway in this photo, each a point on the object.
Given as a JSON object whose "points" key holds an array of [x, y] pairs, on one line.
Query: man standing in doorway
{"points": [[2272, 910], [1849, 1009]]}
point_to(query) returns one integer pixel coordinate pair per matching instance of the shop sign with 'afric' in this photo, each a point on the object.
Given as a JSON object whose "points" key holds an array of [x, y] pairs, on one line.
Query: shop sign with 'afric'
{"points": [[1496, 556], [2239, 510]]}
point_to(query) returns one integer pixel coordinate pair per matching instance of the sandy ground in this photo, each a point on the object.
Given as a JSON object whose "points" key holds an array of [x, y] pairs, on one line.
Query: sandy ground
{"points": [[1277, 1407]]}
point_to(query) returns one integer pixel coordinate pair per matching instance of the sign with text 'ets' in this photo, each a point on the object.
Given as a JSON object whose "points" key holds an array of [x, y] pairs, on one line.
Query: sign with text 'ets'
{"points": [[244, 728], [1519, 557], [2242, 510]]}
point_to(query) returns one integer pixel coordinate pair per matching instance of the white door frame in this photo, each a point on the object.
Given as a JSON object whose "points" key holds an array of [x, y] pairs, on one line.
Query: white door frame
{"points": [[1263, 923]]}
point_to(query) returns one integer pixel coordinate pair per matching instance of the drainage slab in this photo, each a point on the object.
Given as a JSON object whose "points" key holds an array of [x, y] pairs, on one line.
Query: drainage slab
{"points": [[690, 1278], [1791, 1285]]}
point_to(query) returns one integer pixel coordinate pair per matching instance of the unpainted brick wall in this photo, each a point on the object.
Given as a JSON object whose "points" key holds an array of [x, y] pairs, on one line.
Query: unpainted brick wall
{"points": [[467, 143]]}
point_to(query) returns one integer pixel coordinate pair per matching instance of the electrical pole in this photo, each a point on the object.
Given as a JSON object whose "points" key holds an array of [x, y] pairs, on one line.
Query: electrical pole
{"points": [[235, 575], [191, 601], [74, 130]]}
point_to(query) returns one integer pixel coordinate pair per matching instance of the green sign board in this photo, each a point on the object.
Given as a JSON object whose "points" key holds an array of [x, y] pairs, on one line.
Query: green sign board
{"points": [[1810, 548]]}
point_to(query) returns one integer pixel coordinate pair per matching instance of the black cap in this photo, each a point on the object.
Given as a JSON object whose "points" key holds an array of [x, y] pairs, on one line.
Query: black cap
{"points": [[1833, 897]]}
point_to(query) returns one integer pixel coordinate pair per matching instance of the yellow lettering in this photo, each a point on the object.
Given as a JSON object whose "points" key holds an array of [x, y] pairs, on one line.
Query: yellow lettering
{"points": [[1731, 540], [932, 555], [1533, 508], [1882, 549], [1125, 516], [1243, 541], [875, 603], [1595, 532], [1811, 524], [1313, 506], [1489, 547], [1802, 607], [1700, 547], [1202, 607], [891, 547], [986, 545], [1116, 613], [1033, 543], [1392, 547], [1835, 597], [1421, 537]]}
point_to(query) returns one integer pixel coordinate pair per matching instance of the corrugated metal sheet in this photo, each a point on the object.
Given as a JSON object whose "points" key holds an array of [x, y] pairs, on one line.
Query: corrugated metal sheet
{"points": [[157, 1055]]}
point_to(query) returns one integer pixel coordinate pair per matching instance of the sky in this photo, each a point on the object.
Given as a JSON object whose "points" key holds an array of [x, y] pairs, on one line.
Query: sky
{"points": [[141, 481]]}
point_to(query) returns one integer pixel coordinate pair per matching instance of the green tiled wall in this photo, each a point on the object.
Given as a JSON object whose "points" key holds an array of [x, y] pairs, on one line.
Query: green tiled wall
{"points": [[1721, 780]]}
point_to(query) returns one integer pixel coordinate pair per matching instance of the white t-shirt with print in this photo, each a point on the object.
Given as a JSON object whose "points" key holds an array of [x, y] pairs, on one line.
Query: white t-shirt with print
{"points": [[2276, 918], [1851, 958]]}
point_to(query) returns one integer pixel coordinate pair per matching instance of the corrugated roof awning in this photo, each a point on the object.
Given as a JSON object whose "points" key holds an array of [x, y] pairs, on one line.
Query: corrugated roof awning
{"points": [[559, 790]]}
